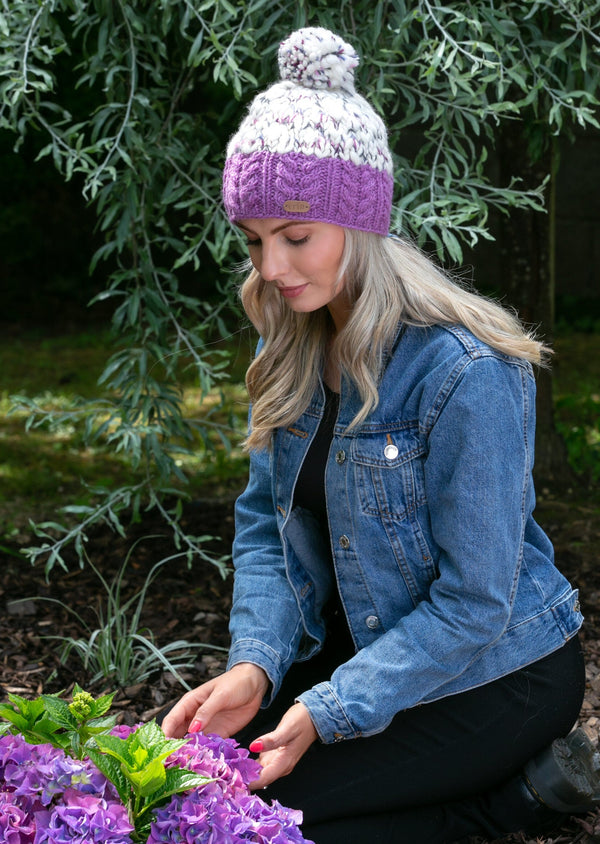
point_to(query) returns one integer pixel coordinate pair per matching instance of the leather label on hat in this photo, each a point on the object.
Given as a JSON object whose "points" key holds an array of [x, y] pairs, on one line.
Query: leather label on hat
{"points": [[296, 206]]}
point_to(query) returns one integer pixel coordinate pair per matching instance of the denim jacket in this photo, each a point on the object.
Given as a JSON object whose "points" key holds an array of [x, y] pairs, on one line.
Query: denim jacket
{"points": [[446, 579]]}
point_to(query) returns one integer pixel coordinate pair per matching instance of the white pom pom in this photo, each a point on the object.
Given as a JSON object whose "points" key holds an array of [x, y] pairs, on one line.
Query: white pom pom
{"points": [[317, 58]]}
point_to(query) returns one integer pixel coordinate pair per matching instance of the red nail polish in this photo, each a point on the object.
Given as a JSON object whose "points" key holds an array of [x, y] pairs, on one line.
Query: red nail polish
{"points": [[195, 727], [256, 746]]}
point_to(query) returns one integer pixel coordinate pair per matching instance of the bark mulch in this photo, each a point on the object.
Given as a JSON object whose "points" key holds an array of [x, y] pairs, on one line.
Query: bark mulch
{"points": [[193, 604]]}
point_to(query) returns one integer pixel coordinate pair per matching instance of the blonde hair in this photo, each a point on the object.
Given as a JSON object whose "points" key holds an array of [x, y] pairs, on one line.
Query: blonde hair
{"points": [[389, 281]]}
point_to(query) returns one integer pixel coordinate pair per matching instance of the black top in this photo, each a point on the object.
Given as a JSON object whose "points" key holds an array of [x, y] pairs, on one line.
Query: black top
{"points": [[310, 487], [310, 494]]}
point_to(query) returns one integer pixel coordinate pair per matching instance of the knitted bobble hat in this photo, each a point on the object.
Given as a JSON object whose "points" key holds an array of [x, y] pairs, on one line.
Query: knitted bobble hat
{"points": [[310, 147]]}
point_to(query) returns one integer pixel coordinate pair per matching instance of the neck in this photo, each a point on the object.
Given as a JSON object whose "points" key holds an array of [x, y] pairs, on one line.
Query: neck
{"points": [[340, 309]]}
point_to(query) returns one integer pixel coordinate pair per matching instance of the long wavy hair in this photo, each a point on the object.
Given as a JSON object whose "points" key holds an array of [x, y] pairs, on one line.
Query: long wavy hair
{"points": [[389, 280]]}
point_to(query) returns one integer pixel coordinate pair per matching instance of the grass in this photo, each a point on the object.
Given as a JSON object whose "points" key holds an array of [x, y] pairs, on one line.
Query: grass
{"points": [[40, 471]]}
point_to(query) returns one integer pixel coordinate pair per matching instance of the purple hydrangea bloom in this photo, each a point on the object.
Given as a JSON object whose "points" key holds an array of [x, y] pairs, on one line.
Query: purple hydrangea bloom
{"points": [[16, 824], [274, 824], [183, 819], [39, 773], [223, 811], [82, 819], [207, 816], [60, 799], [122, 731], [219, 758]]}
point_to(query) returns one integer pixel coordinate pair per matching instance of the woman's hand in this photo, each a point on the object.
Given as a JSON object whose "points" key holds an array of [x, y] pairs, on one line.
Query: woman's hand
{"points": [[281, 749], [223, 705]]}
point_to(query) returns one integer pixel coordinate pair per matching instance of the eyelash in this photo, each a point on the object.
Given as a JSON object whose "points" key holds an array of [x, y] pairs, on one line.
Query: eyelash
{"points": [[289, 240]]}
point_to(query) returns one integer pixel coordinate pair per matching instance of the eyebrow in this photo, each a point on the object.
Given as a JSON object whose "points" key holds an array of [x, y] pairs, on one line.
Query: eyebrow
{"points": [[285, 225]]}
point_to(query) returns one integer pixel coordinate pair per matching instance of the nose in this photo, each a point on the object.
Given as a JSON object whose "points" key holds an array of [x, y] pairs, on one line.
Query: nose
{"points": [[273, 264]]}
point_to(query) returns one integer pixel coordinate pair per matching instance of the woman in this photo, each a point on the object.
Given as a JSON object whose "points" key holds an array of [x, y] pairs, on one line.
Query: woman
{"points": [[396, 610]]}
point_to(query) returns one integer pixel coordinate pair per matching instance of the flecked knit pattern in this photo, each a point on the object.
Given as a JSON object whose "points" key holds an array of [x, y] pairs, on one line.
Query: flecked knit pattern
{"points": [[325, 124], [311, 139], [317, 58]]}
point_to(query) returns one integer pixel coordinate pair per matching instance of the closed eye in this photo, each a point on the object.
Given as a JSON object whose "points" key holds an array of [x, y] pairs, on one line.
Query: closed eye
{"points": [[291, 241]]}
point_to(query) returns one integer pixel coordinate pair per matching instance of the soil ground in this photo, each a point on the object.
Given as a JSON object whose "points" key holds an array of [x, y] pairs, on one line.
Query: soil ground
{"points": [[193, 604]]}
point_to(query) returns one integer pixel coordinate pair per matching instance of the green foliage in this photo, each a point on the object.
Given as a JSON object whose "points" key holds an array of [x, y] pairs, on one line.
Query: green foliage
{"points": [[135, 765], [119, 650], [135, 103], [577, 400], [74, 727], [578, 422], [146, 158]]}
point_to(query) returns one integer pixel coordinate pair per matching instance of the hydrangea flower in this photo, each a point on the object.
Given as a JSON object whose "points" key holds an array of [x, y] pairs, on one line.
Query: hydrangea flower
{"points": [[37, 773], [207, 816], [223, 811], [47, 797], [218, 758], [84, 818], [16, 824]]}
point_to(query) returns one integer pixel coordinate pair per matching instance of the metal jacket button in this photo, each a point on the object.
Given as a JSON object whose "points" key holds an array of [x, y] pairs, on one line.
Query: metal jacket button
{"points": [[391, 452], [340, 457], [372, 622], [344, 542]]}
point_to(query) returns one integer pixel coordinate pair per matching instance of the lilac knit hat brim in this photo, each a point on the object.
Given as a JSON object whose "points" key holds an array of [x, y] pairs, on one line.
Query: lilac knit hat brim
{"points": [[299, 187], [311, 147]]}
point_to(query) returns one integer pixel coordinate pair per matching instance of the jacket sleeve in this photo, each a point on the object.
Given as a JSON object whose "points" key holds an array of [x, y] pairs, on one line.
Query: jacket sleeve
{"points": [[265, 621], [478, 490]]}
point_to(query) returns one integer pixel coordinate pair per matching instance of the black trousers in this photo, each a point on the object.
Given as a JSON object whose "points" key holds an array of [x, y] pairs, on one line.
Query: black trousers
{"points": [[441, 771]]}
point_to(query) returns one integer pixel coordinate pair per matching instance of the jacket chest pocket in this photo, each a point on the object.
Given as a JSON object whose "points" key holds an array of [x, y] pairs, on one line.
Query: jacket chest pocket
{"points": [[389, 473]]}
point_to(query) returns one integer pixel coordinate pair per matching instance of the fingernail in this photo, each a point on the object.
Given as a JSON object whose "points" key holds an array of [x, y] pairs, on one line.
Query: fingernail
{"points": [[195, 726], [256, 746]]}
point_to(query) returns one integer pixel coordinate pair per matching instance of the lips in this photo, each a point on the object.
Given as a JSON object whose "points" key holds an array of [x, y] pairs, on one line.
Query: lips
{"points": [[292, 292]]}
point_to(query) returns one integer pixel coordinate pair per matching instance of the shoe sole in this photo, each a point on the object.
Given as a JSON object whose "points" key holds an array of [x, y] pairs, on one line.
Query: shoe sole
{"points": [[566, 777]]}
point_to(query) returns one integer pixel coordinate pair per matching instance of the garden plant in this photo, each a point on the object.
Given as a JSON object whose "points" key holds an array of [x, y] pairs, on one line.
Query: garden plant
{"points": [[69, 774], [135, 103], [119, 650]]}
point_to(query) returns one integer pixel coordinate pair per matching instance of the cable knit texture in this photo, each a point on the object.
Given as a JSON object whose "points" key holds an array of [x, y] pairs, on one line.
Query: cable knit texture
{"points": [[310, 146]]}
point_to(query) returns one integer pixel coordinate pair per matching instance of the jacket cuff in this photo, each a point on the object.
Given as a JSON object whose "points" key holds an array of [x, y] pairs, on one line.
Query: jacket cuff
{"points": [[327, 714]]}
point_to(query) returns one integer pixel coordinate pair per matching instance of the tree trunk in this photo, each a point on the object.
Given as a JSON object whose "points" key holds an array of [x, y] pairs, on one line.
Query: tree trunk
{"points": [[527, 265]]}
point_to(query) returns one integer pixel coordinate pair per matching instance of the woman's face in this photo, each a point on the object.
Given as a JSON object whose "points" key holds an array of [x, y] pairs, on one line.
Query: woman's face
{"points": [[302, 260]]}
